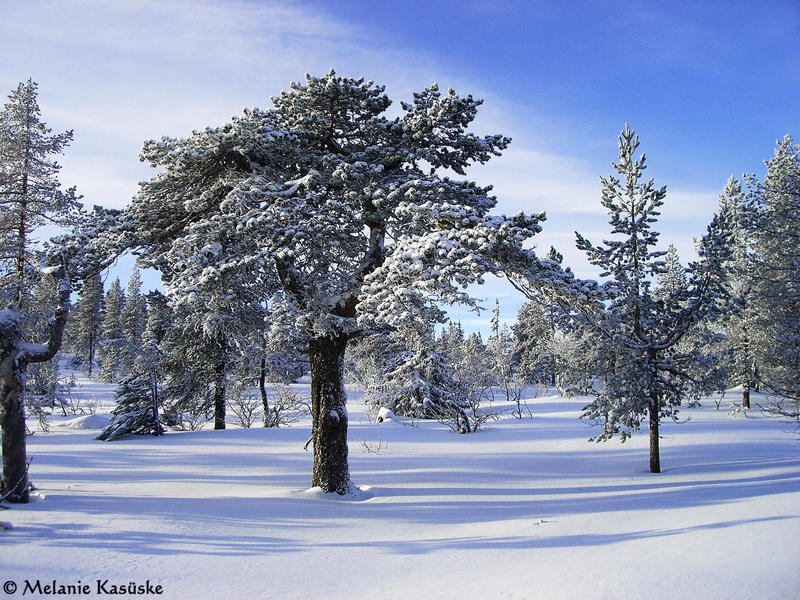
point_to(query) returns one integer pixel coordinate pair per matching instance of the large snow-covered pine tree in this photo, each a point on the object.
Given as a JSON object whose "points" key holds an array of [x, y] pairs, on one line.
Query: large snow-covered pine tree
{"points": [[351, 213]]}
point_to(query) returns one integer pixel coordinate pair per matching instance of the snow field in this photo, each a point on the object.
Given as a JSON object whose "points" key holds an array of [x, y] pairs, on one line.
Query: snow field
{"points": [[525, 509]]}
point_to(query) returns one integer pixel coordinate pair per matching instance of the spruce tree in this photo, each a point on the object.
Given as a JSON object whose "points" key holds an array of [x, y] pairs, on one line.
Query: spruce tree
{"points": [[418, 380], [672, 279], [501, 351], [534, 333], [113, 347], [133, 320], [159, 319], [137, 411], [89, 320]]}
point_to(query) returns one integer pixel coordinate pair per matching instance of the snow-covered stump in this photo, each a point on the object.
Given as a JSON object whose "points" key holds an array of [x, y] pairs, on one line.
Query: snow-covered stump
{"points": [[329, 413]]}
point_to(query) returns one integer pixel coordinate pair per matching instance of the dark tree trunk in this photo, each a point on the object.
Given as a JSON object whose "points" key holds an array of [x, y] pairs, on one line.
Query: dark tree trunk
{"points": [[219, 395], [262, 387], [15, 467], [91, 352], [329, 414], [655, 453], [220, 372], [746, 394]]}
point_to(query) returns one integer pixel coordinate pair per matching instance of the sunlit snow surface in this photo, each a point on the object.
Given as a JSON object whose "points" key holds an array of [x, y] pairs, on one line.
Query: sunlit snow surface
{"points": [[525, 509]]}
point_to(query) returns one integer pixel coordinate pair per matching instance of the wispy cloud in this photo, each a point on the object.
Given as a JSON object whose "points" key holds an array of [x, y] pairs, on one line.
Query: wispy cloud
{"points": [[125, 71]]}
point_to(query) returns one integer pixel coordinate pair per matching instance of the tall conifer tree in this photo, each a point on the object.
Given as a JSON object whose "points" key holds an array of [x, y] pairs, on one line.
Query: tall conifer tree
{"points": [[111, 332], [30, 193], [644, 370]]}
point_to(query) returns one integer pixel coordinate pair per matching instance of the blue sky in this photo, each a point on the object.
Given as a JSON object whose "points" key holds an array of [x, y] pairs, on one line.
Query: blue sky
{"points": [[709, 86]]}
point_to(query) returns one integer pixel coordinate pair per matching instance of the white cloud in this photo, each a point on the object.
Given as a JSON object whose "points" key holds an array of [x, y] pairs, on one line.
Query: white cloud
{"points": [[125, 71]]}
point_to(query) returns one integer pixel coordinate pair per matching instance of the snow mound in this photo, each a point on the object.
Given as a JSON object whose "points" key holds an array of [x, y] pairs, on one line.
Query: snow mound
{"points": [[86, 422], [355, 493], [384, 414]]}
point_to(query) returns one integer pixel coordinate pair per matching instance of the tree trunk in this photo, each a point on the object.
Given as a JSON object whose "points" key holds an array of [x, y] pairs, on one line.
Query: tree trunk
{"points": [[91, 352], [15, 467], [14, 359], [220, 371], [329, 414], [746, 394], [655, 453], [219, 395], [262, 387]]}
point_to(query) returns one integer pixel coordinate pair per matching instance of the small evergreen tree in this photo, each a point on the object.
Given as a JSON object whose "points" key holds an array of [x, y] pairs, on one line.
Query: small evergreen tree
{"points": [[637, 333], [89, 320], [159, 319], [113, 348], [133, 320], [535, 337], [502, 354], [189, 363], [136, 411], [418, 381]]}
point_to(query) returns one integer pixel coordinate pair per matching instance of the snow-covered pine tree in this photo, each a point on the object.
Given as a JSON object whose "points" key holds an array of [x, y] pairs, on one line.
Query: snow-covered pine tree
{"points": [[418, 381], [672, 279], [187, 223], [89, 319], [216, 308], [306, 195], [501, 351], [113, 338], [159, 318], [30, 193], [743, 332], [285, 356], [637, 334], [137, 409], [133, 320], [535, 338], [776, 268]]}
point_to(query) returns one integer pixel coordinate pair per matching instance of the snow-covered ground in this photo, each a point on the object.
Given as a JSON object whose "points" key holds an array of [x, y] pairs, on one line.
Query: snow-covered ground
{"points": [[525, 509]]}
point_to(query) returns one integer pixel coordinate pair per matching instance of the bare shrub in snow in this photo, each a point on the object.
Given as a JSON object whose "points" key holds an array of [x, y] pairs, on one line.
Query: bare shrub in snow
{"points": [[246, 408], [288, 406]]}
